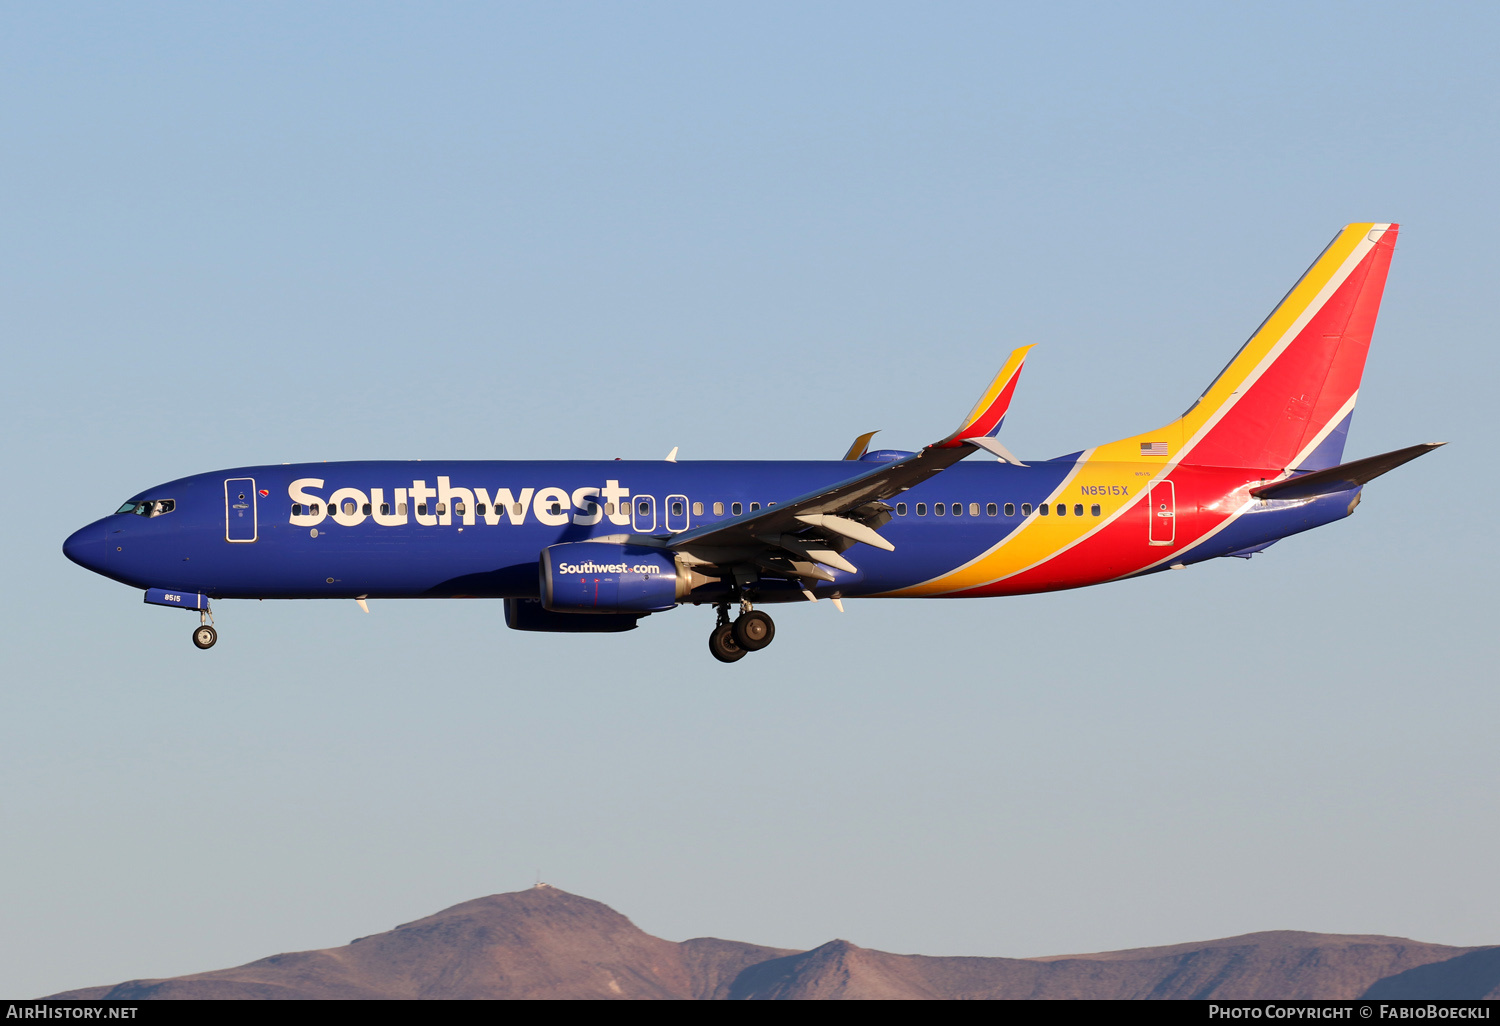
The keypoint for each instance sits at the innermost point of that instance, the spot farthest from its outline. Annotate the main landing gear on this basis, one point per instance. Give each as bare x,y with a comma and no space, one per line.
751,631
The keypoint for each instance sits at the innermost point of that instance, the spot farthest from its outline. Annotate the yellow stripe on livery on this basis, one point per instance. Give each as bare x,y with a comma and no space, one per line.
1118,474
1346,251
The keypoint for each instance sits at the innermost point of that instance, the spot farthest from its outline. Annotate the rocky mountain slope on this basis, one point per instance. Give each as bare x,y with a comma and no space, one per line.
547,943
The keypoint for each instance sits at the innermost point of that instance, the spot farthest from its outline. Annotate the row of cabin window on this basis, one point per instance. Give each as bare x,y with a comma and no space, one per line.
993,509
644,509
385,509
938,509
735,508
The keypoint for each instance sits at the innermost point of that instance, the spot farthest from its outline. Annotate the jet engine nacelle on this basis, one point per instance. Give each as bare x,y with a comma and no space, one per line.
527,614
601,577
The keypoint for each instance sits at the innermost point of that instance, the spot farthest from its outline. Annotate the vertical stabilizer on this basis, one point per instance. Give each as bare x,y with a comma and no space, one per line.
1285,400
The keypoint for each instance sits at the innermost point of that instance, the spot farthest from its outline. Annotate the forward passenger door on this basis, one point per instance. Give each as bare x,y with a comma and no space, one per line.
240,522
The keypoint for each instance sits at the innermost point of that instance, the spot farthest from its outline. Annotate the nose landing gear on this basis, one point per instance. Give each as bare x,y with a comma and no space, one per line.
751,631
204,634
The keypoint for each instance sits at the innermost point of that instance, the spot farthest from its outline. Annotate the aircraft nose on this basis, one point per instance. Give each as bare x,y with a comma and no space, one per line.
86,547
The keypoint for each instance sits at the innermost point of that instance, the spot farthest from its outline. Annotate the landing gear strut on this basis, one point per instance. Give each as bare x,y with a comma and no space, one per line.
204,634
751,631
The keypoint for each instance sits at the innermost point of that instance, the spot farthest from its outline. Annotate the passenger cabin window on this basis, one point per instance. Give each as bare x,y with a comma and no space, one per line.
422,509
1044,509
367,509
991,510
517,509
736,509
479,509
1062,509
974,509
754,506
609,509
400,509
349,508
1010,509
697,509
677,509
643,508
1025,509
1094,509
900,509
958,509
442,509
938,509
296,509
1078,509
385,509
921,509
718,509
458,509
555,508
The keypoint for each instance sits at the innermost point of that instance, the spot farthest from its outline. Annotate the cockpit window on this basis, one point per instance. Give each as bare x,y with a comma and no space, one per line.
149,508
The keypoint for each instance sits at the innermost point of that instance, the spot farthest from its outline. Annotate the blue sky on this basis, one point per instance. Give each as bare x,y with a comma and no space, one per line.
238,235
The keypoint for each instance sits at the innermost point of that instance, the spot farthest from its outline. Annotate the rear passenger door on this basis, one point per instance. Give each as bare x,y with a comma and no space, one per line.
1162,513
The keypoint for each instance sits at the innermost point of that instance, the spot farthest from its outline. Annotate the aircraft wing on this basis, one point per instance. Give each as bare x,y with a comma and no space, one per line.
816,527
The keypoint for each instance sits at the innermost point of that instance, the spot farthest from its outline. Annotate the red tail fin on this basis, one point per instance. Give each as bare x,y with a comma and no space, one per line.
1286,397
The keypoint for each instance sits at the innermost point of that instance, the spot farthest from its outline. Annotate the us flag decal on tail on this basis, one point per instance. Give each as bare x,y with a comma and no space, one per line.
1153,448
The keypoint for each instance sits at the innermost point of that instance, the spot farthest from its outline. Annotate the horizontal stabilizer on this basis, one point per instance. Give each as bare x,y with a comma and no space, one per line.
1342,477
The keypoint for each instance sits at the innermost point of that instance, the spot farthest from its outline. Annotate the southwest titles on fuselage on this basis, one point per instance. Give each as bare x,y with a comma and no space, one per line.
433,507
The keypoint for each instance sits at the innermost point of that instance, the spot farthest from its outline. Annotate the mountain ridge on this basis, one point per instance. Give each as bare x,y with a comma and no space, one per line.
545,943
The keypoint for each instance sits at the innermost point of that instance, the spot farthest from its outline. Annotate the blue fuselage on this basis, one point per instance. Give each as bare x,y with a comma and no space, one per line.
448,529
